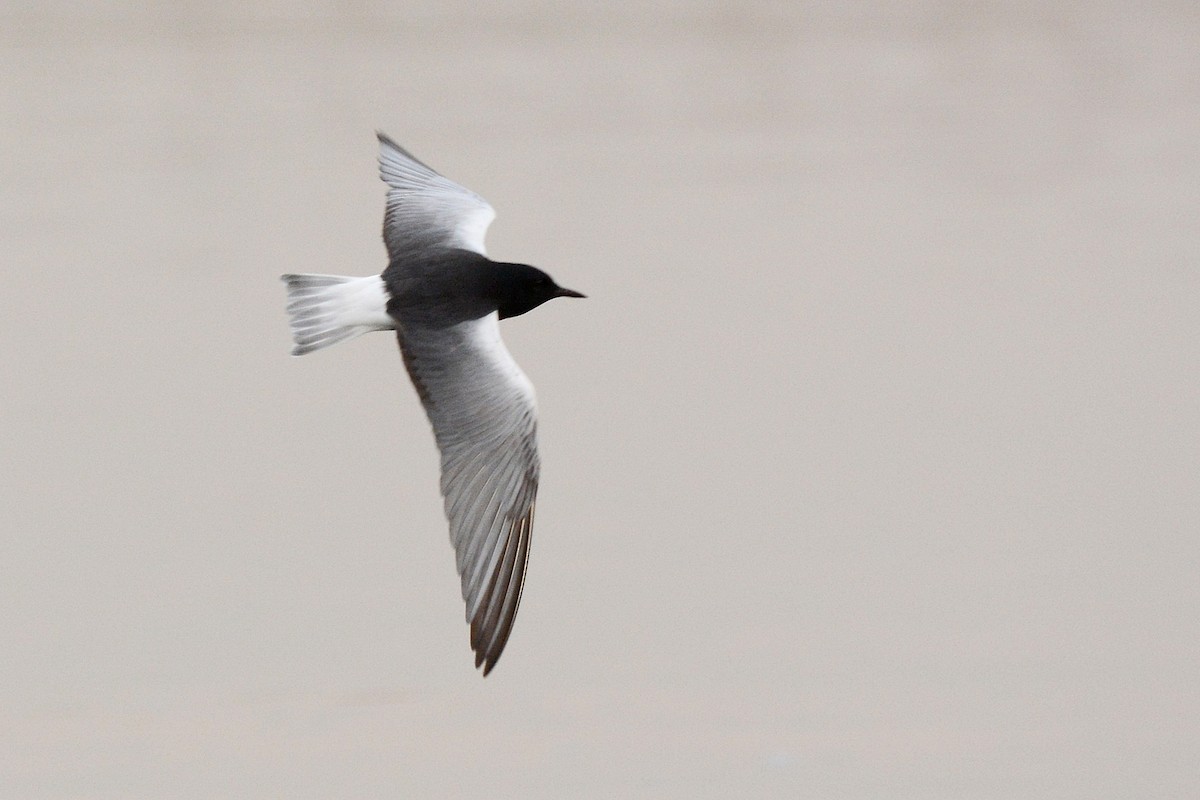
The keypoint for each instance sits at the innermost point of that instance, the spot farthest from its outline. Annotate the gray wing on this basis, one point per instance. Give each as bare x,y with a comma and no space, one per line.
484,417
426,212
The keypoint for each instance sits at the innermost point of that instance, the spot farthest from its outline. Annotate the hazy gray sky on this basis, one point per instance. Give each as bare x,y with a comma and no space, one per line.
871,464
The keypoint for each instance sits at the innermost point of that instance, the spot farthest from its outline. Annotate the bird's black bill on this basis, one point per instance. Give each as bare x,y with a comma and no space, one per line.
568,293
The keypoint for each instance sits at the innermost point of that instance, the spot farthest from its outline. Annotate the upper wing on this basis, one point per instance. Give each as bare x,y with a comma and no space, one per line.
484,416
426,211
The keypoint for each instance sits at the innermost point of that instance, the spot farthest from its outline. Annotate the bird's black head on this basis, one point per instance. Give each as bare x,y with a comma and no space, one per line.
519,288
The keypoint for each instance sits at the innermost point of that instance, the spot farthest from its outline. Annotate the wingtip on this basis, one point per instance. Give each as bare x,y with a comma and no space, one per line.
392,144
482,657
388,143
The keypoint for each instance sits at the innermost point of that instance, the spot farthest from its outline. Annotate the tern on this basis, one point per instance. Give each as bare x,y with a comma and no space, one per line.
444,298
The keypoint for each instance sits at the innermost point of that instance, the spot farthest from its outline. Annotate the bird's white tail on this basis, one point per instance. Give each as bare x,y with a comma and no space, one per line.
327,309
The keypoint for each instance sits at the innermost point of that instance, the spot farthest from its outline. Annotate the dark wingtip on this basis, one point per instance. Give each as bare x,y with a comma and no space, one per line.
493,623
388,141
483,658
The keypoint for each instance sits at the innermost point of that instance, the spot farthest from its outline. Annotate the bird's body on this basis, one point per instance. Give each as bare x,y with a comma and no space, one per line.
444,297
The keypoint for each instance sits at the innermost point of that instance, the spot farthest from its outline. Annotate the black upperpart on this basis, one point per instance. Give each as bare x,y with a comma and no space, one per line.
518,288
455,286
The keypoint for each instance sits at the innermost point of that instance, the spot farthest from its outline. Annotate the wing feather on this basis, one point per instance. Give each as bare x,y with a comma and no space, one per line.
484,417
427,212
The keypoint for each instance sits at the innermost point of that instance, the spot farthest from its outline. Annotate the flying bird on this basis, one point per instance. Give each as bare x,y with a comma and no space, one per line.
444,297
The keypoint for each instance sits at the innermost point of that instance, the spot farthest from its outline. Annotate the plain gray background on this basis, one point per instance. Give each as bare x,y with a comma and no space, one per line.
871,465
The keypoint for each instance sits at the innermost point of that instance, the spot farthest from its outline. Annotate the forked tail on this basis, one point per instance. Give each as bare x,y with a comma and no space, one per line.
327,309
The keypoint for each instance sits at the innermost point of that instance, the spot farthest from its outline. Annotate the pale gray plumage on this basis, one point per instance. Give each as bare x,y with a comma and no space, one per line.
484,419
425,211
